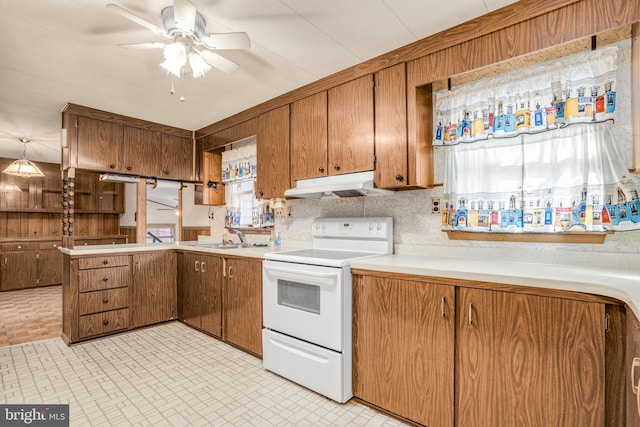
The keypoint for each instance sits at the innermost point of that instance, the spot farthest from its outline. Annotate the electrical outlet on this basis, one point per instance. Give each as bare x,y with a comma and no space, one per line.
435,205
289,212
279,213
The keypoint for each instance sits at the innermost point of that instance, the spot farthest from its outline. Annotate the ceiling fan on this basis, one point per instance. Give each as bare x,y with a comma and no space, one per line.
185,27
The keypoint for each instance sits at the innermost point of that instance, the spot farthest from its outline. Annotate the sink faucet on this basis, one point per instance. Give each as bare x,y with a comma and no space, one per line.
241,236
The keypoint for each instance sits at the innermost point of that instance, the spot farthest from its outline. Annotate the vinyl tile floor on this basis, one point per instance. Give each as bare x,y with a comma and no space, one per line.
166,375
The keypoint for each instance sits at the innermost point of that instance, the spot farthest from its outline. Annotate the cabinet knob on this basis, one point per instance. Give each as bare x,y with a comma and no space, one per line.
105,262
105,278
399,178
105,322
105,300
112,166
336,167
128,168
165,173
321,169
261,193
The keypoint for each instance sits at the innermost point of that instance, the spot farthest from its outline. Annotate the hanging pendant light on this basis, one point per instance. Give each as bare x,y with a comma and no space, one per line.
23,167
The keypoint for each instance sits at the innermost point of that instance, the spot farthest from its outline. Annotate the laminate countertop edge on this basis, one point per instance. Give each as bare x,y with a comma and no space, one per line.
621,284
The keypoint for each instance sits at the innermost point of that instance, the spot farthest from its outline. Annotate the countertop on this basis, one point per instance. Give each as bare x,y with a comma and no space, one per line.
623,285
251,252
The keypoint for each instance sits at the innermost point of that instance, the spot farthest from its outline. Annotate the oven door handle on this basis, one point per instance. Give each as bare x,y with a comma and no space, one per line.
299,351
325,280
269,269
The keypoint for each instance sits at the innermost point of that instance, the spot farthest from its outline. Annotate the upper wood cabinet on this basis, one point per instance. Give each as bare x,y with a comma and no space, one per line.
391,127
99,145
309,137
142,152
272,149
350,127
529,360
106,142
403,347
177,158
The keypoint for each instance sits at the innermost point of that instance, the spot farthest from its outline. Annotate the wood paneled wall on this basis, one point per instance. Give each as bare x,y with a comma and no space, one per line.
27,224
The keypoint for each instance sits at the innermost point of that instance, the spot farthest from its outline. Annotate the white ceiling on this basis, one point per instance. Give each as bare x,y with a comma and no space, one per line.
58,51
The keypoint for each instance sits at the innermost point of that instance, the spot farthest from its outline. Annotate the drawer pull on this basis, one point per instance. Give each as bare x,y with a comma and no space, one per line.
105,262
105,300
443,303
105,278
105,322
470,313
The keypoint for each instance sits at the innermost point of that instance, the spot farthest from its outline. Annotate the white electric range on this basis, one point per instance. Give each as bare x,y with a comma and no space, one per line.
307,303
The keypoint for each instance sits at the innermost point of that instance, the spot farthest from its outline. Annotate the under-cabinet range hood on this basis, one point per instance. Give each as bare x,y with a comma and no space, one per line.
337,186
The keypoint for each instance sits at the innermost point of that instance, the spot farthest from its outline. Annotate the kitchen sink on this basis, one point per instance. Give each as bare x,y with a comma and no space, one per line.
219,245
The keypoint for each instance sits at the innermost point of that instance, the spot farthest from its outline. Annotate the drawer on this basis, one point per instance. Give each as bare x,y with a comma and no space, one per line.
103,261
103,278
98,301
102,323
49,245
19,246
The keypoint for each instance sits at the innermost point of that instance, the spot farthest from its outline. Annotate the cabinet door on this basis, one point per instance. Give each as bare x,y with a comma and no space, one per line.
84,192
154,288
309,137
142,152
19,270
211,294
391,127
403,347
110,197
242,324
529,360
99,145
177,158
350,126
190,287
272,150
49,267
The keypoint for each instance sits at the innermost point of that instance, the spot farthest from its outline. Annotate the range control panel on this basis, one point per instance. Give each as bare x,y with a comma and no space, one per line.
353,228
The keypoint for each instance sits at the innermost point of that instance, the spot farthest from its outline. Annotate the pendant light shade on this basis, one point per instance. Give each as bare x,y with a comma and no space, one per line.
23,167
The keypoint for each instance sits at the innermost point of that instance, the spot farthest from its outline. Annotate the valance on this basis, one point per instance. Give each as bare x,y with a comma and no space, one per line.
579,88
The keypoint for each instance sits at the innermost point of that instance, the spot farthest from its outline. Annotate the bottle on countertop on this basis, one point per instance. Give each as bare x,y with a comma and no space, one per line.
277,242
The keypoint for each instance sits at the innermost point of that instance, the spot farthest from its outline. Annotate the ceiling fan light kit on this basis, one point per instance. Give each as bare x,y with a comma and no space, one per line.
185,26
23,167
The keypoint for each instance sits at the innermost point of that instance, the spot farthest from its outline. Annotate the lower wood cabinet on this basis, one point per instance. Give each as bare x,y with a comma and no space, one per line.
526,360
201,292
111,293
242,304
153,288
30,264
223,297
95,296
539,358
403,347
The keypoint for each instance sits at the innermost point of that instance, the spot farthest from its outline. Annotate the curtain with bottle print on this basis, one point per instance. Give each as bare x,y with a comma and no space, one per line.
533,150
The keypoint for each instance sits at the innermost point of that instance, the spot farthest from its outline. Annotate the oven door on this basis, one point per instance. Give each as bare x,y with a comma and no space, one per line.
304,301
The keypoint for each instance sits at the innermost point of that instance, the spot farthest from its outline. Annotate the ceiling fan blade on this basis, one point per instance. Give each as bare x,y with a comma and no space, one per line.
135,18
184,13
219,62
155,45
226,41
